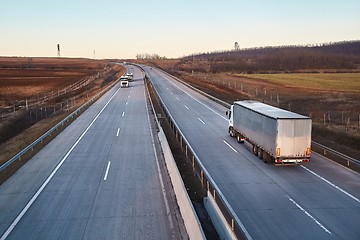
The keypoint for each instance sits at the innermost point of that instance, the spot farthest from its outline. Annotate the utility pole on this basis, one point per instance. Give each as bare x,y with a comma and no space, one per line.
237,46
58,48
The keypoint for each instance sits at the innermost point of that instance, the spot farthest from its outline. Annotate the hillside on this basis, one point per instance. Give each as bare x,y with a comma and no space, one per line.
340,56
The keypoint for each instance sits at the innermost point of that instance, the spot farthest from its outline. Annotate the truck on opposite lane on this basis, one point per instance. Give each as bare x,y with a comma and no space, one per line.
276,135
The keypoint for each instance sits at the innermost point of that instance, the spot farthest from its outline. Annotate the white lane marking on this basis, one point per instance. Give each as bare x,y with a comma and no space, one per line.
36,195
126,103
159,171
187,107
308,214
177,99
172,93
230,146
194,97
118,131
107,171
201,120
123,114
331,184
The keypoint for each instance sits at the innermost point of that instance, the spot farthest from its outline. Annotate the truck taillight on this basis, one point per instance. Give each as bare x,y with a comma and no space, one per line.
308,151
278,160
278,152
305,160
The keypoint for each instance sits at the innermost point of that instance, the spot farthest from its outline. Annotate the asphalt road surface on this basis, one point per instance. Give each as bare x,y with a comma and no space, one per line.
101,178
316,200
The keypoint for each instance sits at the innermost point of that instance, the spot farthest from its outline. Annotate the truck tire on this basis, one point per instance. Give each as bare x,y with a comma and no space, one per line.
255,150
232,132
260,153
238,138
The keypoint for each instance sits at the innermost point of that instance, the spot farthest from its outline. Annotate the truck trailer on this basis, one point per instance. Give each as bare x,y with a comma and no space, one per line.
276,135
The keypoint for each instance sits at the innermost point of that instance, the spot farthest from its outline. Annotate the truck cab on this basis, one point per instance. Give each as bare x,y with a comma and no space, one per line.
231,130
124,83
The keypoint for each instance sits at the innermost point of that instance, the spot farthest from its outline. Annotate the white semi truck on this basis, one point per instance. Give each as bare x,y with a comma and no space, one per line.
276,135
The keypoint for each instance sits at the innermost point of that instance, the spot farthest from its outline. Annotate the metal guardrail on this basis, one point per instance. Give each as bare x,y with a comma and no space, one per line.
336,156
206,180
53,129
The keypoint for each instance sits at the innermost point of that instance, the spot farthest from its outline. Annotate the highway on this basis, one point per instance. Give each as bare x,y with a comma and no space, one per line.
317,200
103,177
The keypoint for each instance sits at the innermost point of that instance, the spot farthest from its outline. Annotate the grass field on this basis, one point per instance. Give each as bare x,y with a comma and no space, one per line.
337,82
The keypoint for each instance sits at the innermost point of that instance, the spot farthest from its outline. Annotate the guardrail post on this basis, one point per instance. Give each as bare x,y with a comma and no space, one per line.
232,224
193,161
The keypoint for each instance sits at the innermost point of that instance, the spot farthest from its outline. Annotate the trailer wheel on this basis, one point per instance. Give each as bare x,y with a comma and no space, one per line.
266,157
232,132
255,150
238,138
260,153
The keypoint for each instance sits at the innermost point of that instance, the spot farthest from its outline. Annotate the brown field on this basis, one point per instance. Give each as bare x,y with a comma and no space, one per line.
52,88
331,100
22,78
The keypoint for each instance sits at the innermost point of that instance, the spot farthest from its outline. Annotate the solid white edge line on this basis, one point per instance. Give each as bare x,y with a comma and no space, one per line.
32,200
308,214
201,120
331,184
230,146
107,170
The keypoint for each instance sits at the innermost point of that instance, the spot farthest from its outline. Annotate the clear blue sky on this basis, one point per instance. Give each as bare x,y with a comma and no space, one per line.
121,29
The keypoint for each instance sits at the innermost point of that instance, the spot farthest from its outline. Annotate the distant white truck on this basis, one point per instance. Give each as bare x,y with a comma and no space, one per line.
130,76
276,135
124,81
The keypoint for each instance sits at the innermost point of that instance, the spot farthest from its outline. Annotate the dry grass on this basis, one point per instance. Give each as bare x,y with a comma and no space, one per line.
22,78
337,82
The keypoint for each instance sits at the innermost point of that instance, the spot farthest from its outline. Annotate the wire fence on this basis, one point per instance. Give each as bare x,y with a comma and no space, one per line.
43,101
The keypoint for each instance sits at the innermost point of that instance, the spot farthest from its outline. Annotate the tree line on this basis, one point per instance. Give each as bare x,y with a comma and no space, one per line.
340,55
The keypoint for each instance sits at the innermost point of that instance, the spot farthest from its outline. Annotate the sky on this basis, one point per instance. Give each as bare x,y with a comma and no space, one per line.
170,28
